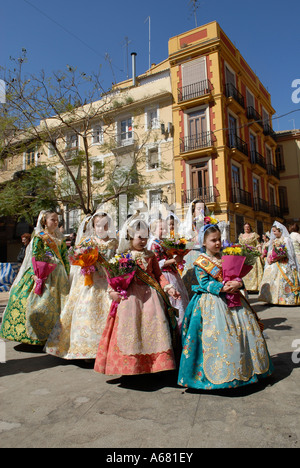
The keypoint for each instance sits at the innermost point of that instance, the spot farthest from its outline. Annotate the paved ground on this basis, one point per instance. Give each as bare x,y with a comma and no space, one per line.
48,402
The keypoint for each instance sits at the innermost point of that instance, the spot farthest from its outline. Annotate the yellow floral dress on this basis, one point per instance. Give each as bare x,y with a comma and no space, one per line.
253,280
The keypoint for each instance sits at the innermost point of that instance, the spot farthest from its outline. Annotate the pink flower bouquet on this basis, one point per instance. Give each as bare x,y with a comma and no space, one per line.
279,253
237,261
42,269
120,273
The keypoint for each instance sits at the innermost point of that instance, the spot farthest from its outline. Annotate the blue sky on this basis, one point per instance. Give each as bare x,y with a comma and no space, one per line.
81,33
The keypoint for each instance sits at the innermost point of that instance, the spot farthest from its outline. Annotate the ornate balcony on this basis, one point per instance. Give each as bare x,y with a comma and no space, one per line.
260,205
195,90
235,142
197,142
257,158
252,114
273,171
241,196
232,92
205,194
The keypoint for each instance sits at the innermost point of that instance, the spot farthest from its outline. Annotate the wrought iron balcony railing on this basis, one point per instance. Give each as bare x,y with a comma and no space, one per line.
239,195
205,194
236,142
254,115
257,158
232,91
194,142
260,205
194,90
272,170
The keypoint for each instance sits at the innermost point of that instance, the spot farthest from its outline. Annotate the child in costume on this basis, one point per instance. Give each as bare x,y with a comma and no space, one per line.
168,266
30,317
222,347
77,333
138,338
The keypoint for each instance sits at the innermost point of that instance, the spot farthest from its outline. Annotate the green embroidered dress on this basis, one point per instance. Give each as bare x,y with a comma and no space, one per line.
28,317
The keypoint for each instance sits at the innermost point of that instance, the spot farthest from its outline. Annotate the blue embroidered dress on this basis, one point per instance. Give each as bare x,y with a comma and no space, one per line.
222,347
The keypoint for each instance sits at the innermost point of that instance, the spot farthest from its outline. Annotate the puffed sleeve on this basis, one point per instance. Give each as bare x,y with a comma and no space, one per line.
207,283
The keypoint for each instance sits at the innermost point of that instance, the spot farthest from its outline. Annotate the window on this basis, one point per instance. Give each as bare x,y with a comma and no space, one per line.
280,158
97,135
98,171
71,145
269,157
250,99
153,158
30,157
236,177
155,198
126,129
256,188
51,150
193,71
253,146
152,118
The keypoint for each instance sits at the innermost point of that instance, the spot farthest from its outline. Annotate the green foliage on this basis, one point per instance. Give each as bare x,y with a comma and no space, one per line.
27,194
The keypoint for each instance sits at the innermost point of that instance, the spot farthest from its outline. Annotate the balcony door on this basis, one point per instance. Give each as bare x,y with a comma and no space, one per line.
197,128
232,131
256,188
200,181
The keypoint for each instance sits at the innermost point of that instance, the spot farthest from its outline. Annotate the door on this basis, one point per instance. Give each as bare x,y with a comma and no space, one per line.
232,132
200,181
236,183
197,129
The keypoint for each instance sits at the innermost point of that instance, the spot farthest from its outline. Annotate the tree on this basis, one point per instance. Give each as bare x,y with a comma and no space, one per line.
53,114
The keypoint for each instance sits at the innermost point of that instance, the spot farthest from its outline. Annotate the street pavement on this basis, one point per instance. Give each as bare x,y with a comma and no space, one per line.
46,402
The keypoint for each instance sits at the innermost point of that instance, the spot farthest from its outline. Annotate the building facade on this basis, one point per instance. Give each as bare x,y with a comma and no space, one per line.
224,145
288,162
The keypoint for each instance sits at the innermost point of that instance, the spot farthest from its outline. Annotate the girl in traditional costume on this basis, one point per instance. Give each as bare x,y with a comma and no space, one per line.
77,333
168,265
35,303
222,347
295,237
280,282
252,281
138,338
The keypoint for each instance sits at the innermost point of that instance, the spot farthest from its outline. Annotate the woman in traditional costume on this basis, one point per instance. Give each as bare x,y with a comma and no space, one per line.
252,281
280,282
295,236
77,333
168,265
222,347
30,316
139,337
190,227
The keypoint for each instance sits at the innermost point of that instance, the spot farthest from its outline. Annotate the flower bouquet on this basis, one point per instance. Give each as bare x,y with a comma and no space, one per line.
120,272
237,262
43,265
176,246
210,220
85,255
279,252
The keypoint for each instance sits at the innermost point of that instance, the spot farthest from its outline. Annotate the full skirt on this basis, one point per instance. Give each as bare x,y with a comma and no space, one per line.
222,347
137,340
78,330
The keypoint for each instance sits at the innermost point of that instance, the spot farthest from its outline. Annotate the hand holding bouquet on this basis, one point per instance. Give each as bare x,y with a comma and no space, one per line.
176,246
120,272
43,265
279,252
237,262
85,255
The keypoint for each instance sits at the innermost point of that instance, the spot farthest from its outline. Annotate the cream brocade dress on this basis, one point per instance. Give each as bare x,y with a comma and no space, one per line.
77,333
277,286
253,280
